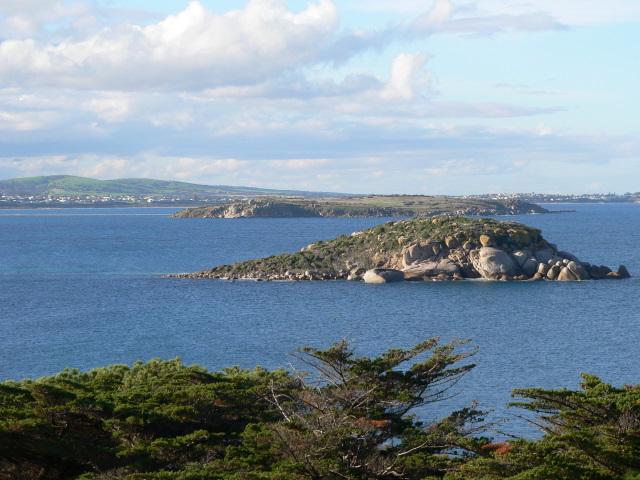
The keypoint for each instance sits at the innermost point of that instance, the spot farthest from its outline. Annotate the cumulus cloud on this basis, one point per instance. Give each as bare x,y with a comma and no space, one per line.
195,48
261,95
198,48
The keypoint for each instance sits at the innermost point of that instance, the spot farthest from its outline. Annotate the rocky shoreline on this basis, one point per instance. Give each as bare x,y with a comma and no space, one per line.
435,249
361,207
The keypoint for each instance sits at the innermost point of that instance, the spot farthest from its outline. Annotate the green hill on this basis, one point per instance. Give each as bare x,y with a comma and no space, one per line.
63,185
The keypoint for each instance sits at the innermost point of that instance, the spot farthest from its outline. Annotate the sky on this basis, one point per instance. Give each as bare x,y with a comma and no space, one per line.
362,96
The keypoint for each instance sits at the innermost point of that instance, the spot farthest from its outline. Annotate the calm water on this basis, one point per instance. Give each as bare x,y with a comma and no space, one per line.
82,288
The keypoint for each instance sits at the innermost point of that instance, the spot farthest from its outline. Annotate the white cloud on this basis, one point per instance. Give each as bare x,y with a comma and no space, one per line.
568,12
200,49
30,18
474,159
440,12
110,107
147,165
258,96
19,121
299,164
195,48
407,76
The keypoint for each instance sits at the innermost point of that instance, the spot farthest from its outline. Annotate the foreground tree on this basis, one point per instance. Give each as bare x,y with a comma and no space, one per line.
145,418
590,434
353,417
350,417
340,417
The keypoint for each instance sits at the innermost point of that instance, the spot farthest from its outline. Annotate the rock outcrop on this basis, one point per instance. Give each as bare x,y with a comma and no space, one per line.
493,263
434,249
383,275
251,209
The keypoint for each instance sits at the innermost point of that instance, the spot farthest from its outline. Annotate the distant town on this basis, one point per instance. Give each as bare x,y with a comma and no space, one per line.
61,201
564,198
57,191
70,201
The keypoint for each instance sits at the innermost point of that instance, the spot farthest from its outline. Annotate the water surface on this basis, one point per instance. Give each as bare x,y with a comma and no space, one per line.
83,288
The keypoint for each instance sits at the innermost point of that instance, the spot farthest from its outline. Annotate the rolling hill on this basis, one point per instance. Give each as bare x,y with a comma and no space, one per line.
67,185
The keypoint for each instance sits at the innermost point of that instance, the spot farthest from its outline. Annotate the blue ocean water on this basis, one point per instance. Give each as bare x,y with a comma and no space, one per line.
83,288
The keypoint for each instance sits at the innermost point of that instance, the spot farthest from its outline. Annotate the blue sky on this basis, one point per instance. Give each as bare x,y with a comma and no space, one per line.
409,96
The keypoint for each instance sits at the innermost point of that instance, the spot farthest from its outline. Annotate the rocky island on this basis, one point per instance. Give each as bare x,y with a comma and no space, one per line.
432,249
365,206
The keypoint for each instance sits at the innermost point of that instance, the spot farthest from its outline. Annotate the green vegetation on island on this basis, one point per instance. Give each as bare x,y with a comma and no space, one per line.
336,416
438,248
362,206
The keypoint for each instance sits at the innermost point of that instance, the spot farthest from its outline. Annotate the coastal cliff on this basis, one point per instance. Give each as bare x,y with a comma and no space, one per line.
372,206
433,249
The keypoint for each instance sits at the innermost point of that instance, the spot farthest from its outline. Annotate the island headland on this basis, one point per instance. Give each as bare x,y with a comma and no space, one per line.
363,206
432,249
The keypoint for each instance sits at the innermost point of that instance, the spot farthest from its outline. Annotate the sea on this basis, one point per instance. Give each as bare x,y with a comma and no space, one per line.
84,288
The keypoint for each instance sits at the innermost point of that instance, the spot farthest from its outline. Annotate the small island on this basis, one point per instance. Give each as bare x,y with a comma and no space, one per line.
443,248
362,206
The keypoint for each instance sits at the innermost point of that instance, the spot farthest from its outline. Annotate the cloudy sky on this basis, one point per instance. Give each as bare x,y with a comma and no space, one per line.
386,96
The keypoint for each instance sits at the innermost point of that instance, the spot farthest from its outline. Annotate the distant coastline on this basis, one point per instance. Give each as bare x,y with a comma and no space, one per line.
66,191
362,206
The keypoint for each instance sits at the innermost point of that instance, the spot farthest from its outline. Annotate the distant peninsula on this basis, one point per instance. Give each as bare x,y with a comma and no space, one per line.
431,249
71,191
362,206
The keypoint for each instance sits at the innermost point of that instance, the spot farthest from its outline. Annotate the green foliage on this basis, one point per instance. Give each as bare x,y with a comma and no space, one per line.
344,417
590,434
350,417
145,418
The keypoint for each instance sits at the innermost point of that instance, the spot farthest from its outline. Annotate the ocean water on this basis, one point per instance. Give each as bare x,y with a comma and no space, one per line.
84,288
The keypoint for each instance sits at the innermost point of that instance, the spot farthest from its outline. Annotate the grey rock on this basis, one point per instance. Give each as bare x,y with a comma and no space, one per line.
599,272
623,272
530,267
383,275
578,270
543,269
468,246
492,263
521,257
419,252
553,272
451,242
356,274
566,275
419,271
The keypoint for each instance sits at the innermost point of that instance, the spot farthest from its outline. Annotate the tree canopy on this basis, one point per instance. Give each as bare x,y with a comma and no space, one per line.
336,416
